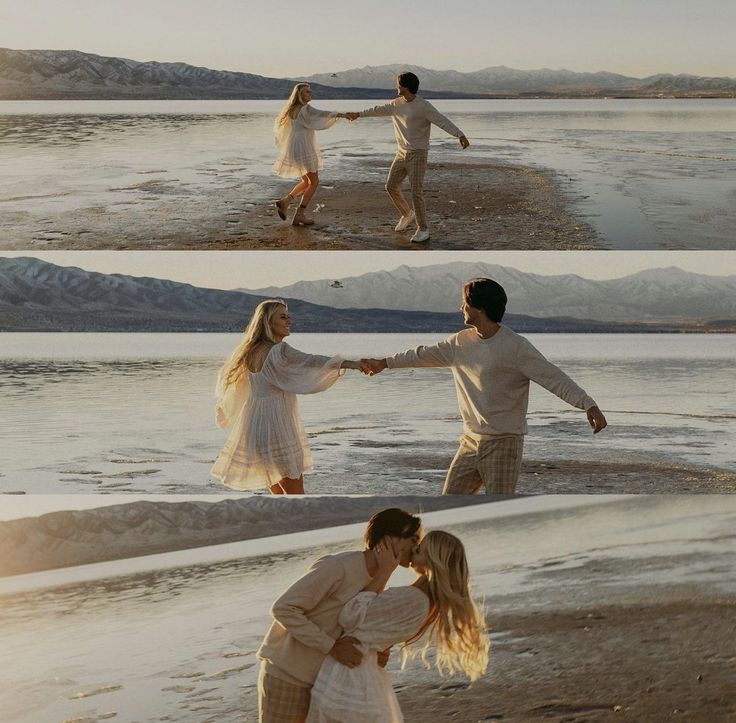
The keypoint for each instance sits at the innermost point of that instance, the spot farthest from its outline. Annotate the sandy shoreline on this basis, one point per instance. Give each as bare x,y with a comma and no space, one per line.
478,205
475,204
661,661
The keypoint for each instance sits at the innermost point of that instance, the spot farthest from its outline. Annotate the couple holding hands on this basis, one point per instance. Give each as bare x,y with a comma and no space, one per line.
323,658
492,367
300,157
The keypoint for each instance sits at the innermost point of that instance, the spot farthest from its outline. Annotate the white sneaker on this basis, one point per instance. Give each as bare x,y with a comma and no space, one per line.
420,236
404,221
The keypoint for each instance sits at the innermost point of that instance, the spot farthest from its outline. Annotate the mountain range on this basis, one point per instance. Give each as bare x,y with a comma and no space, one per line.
72,74
503,81
662,295
39,296
144,527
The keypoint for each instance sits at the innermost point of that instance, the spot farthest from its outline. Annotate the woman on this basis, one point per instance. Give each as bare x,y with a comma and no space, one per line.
300,156
256,390
438,604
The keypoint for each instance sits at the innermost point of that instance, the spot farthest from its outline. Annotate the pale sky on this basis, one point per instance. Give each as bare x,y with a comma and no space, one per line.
257,269
287,38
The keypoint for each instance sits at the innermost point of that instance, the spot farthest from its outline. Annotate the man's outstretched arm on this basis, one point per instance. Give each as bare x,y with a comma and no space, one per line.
533,364
436,355
447,125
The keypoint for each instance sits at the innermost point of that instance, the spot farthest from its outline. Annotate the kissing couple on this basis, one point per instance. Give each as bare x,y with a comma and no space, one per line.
323,659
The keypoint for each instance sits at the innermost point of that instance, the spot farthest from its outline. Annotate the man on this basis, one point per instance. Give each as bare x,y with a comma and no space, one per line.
412,117
305,627
492,367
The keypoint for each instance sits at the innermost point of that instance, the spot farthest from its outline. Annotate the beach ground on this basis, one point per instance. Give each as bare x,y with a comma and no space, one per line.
475,204
650,662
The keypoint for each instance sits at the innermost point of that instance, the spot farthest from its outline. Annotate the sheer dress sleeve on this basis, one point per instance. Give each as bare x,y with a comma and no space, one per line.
281,132
295,371
230,401
314,119
387,618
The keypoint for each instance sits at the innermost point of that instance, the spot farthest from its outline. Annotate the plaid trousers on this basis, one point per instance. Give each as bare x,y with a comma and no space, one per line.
495,463
414,165
281,702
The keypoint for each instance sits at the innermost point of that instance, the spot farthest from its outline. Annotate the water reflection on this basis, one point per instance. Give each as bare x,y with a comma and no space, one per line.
69,131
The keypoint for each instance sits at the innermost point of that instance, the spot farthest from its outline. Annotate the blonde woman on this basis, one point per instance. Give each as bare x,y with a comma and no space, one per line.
300,157
437,607
256,399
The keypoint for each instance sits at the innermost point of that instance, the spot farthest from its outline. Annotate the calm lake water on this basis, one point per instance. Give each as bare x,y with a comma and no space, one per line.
87,413
647,173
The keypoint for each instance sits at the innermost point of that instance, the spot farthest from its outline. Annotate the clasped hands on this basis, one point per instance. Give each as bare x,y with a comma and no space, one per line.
350,115
370,367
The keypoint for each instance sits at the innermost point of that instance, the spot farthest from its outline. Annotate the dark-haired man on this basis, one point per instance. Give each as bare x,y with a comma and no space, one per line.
492,367
412,117
306,628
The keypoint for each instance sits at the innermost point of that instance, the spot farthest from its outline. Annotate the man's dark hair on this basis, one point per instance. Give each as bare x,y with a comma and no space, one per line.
408,81
394,522
488,295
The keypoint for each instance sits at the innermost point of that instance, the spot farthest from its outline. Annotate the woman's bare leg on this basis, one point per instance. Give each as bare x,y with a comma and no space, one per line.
300,187
288,486
313,181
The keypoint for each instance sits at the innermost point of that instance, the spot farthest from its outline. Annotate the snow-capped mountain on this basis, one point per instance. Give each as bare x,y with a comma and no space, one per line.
656,294
500,80
48,74
59,74
39,296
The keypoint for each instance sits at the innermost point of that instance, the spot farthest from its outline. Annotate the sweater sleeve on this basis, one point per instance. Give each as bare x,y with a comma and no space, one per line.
434,116
388,109
533,364
385,619
437,355
291,607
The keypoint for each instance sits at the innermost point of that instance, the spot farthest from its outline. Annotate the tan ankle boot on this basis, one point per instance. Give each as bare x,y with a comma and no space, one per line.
282,206
301,218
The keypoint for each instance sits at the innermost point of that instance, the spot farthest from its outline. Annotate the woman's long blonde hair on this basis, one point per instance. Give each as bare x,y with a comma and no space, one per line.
456,625
293,105
257,333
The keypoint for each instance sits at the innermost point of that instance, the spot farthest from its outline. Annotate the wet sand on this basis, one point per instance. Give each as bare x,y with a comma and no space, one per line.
658,661
476,204
635,474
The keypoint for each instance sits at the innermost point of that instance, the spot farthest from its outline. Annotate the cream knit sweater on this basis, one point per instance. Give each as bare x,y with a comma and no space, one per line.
492,378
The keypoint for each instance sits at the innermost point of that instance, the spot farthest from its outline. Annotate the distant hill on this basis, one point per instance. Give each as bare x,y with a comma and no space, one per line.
145,527
72,74
509,82
659,295
39,296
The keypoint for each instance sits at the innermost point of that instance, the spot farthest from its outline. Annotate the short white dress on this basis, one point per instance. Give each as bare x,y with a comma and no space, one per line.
296,141
364,694
267,441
